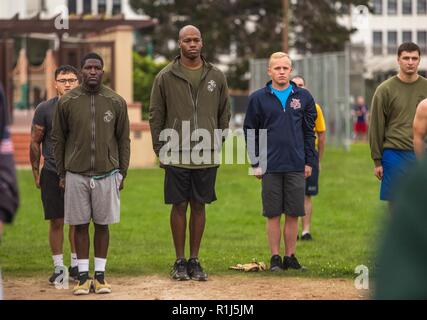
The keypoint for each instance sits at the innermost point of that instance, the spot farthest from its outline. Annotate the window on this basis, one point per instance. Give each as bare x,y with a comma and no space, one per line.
378,7
102,6
87,6
378,43
392,7
422,6
407,36
391,42
72,6
117,7
406,7
422,41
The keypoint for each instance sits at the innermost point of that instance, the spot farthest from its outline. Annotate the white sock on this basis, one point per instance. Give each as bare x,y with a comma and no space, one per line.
83,265
305,232
58,260
73,260
100,264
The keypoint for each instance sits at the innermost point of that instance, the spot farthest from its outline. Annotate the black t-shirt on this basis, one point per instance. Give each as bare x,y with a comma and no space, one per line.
43,117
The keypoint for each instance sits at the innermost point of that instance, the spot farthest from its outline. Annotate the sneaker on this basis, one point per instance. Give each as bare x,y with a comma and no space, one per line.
99,283
307,236
276,263
195,270
85,284
179,271
73,272
292,263
56,278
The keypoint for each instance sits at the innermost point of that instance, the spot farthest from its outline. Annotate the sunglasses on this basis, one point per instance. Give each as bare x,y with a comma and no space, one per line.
70,81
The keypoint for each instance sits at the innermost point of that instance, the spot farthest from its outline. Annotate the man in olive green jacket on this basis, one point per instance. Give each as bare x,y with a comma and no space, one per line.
92,149
189,102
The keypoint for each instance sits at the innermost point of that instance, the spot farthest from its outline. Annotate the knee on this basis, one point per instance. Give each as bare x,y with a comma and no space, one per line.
101,227
197,207
180,208
82,228
57,224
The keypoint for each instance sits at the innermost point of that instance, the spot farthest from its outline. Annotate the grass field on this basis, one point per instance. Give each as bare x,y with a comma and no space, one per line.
346,221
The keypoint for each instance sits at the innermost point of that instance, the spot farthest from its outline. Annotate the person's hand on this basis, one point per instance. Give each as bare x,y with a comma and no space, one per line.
37,181
161,165
122,185
62,183
258,173
379,172
307,171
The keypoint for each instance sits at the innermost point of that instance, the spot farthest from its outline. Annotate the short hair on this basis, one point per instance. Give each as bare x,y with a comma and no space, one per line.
279,55
408,47
91,55
66,68
298,76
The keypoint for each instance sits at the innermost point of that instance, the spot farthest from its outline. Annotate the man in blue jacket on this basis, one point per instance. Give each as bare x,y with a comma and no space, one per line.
285,114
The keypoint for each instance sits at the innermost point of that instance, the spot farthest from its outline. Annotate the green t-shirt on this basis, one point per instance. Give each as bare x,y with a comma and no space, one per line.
194,76
392,115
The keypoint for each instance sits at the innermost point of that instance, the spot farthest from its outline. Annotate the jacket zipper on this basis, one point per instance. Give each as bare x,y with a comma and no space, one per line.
92,145
194,106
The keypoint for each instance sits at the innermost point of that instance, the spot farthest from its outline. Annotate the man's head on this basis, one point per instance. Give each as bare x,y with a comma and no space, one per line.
280,68
190,42
92,68
66,79
408,58
299,81
360,100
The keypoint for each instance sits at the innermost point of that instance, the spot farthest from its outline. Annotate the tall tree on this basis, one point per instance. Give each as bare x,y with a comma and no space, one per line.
247,29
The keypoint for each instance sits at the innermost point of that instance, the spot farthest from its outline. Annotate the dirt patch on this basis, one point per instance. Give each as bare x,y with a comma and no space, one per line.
217,288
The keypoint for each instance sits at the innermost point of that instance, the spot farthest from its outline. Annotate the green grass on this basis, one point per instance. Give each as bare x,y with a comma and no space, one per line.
346,220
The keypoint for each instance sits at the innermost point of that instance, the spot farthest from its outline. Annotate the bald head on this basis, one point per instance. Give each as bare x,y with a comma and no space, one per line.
188,29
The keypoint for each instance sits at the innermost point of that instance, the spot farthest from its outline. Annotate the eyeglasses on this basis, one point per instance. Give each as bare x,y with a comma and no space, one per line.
64,81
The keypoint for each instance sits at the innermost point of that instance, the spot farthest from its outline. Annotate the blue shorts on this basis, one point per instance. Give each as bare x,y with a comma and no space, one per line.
395,165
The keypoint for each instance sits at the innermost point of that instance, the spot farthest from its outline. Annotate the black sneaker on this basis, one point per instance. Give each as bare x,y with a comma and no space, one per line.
179,271
292,263
56,278
195,270
73,272
276,263
307,236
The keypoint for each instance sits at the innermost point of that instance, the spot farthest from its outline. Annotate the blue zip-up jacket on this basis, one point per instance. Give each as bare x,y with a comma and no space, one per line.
290,131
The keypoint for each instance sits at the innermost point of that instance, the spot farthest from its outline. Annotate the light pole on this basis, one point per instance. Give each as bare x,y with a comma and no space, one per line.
285,34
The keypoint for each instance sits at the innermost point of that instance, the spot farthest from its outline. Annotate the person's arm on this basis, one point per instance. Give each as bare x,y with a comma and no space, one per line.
377,131
157,114
251,128
321,136
224,113
310,115
59,134
123,140
420,129
37,134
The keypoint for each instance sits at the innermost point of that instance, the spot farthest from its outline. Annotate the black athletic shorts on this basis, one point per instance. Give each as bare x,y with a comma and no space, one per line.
52,195
183,185
283,193
312,182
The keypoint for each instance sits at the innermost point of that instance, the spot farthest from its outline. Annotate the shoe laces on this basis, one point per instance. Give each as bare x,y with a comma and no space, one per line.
181,265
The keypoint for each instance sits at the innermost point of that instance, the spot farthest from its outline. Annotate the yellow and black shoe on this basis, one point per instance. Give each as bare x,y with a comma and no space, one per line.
99,283
84,285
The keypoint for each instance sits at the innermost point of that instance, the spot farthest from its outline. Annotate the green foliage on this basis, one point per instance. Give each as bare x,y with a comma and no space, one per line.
145,70
347,216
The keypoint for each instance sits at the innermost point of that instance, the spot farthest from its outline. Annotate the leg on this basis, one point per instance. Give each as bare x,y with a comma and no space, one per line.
290,235
178,222
306,220
82,241
101,241
71,238
274,234
197,226
56,235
